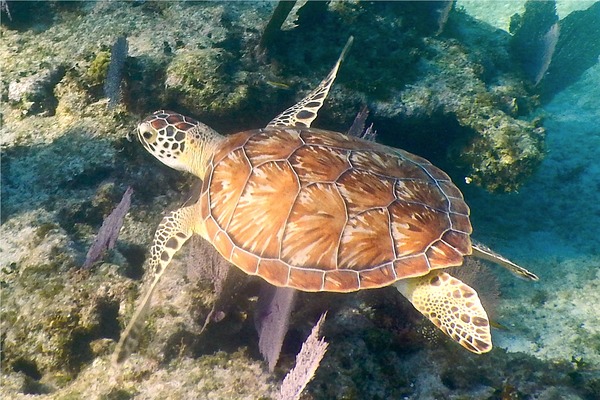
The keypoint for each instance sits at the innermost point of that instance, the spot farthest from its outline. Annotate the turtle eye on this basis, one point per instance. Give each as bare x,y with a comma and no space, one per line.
146,133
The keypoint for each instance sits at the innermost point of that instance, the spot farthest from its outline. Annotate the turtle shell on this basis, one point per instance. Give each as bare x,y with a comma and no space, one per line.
320,211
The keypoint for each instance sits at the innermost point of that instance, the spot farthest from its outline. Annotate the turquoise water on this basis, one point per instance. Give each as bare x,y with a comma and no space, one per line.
551,226
66,163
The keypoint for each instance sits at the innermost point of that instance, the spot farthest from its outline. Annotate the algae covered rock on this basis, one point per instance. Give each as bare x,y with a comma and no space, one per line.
577,49
206,81
454,98
554,53
53,323
33,94
497,148
505,151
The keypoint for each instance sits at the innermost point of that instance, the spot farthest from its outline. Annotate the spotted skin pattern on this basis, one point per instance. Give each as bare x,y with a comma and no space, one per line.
168,141
305,111
317,210
453,307
174,230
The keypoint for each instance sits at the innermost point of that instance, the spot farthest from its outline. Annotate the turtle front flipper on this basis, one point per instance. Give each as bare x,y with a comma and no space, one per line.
452,306
174,230
304,112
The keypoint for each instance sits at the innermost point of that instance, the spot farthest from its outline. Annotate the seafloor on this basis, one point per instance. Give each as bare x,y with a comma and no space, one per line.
66,163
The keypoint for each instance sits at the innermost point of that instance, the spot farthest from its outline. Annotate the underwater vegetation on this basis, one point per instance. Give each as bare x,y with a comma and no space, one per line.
452,91
114,75
109,231
547,47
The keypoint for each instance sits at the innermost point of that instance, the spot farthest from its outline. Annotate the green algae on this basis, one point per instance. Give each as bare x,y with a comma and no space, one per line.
92,162
57,341
499,149
98,69
204,80
45,228
118,394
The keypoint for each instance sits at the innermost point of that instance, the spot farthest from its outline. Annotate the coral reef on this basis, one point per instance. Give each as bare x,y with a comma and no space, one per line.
406,79
33,94
75,318
574,43
454,98
534,37
497,148
546,47
203,80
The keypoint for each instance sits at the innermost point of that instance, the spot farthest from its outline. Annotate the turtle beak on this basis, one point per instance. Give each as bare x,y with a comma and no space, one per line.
147,136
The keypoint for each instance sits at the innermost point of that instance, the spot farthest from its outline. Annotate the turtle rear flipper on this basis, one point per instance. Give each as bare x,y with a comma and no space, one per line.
452,306
481,251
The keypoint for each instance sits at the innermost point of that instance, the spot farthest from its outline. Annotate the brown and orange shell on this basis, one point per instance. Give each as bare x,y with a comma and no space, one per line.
320,211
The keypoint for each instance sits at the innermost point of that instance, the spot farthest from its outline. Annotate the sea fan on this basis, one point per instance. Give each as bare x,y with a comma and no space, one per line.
112,85
535,35
307,362
549,45
272,320
109,231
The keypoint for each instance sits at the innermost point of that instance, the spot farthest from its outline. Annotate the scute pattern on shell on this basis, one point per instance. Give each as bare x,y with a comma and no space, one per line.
317,210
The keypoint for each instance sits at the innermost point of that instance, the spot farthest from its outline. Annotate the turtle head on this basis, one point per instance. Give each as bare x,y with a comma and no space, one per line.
178,141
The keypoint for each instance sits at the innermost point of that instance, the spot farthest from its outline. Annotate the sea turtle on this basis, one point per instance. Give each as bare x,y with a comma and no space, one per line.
317,210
